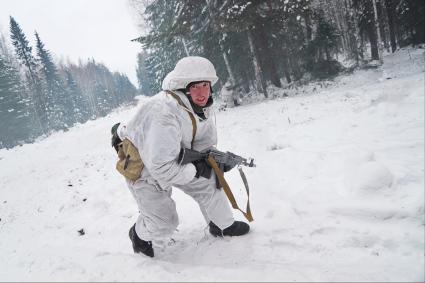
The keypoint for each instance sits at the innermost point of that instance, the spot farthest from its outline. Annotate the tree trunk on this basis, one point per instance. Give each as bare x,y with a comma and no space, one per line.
378,32
371,32
362,42
295,68
287,75
267,54
328,55
390,13
355,34
185,46
308,26
229,70
274,77
382,15
340,23
245,81
260,85
286,69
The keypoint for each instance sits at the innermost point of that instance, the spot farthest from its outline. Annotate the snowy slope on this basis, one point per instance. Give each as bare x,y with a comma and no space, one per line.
337,194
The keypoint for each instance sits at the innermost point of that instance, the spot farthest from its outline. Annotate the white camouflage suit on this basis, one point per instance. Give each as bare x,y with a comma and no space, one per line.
159,130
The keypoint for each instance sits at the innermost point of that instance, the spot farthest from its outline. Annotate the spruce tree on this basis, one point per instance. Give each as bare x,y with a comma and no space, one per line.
14,115
23,50
58,104
24,54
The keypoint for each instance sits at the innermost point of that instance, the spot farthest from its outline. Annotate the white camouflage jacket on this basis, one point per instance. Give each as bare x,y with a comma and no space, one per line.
160,129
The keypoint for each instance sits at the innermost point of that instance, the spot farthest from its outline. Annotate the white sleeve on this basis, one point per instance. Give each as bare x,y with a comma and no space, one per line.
161,147
122,131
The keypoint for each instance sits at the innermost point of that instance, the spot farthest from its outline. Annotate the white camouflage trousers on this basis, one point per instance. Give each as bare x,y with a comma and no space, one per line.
158,217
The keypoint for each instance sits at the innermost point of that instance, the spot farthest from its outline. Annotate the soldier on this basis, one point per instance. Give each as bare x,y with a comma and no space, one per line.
159,130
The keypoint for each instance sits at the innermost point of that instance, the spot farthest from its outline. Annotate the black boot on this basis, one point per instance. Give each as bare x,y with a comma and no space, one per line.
139,245
238,228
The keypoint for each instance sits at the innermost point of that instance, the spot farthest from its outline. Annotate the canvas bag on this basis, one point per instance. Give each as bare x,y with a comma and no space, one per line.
129,163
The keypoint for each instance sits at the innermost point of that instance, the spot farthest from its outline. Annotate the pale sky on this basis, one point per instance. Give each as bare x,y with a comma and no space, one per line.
75,29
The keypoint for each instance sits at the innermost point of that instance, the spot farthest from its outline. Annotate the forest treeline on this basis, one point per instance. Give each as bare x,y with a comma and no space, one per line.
39,96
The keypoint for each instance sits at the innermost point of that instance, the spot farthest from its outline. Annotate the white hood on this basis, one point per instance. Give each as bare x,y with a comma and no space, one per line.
187,70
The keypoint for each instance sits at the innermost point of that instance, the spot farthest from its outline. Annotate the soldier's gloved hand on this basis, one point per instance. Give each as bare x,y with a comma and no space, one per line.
115,140
203,169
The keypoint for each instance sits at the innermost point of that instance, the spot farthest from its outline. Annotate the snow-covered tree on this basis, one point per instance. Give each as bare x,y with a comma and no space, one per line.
24,54
15,116
58,104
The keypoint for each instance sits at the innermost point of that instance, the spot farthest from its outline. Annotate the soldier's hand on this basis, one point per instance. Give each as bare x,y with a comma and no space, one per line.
203,169
115,140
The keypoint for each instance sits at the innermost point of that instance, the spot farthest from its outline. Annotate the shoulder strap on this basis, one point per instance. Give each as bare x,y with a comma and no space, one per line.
227,190
192,118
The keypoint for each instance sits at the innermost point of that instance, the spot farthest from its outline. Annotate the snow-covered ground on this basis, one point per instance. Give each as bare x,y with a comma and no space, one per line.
337,194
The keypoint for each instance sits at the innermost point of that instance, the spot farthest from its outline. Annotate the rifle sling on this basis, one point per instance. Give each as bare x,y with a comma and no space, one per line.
227,190
192,118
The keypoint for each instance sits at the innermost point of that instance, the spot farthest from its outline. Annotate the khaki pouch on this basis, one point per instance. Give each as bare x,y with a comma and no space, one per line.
129,164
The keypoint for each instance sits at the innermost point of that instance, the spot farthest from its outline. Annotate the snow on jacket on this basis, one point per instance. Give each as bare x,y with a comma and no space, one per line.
160,129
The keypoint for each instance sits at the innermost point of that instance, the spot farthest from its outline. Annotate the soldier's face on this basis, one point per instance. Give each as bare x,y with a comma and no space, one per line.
200,92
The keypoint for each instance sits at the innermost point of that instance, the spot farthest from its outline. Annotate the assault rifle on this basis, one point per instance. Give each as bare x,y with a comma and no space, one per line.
221,162
226,160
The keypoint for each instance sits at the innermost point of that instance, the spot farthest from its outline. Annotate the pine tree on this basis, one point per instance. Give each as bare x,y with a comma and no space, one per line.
14,115
24,54
58,103
23,50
